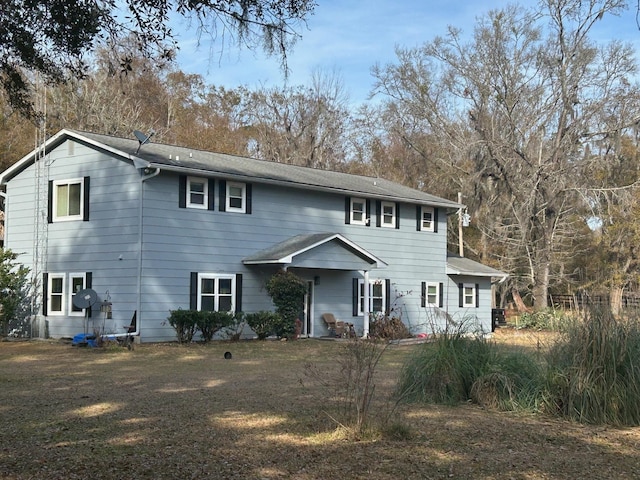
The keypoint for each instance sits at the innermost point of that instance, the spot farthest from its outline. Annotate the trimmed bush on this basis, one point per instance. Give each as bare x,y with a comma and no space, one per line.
184,322
209,323
264,323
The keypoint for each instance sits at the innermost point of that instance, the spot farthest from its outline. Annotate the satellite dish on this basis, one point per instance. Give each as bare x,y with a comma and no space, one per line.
85,298
143,138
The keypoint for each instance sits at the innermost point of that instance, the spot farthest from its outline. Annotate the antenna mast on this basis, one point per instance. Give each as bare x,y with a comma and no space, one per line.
41,180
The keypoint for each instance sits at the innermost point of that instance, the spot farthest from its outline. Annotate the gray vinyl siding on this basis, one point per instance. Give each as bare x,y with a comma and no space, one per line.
78,246
164,243
178,241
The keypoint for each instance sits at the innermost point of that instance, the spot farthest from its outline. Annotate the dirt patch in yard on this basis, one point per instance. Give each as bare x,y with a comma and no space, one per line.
169,411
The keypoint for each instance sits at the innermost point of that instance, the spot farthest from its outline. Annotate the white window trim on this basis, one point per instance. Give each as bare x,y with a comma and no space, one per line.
372,282
471,304
426,294
228,206
364,220
216,277
205,192
67,218
71,293
393,216
62,294
433,222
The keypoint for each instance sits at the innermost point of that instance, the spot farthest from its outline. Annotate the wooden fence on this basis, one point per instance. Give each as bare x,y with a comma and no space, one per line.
569,302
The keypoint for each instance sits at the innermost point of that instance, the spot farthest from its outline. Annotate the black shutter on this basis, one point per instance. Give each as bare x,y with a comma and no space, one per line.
347,210
222,186
248,191
211,192
355,296
418,218
45,290
193,291
423,300
182,191
88,283
87,185
387,296
368,212
441,295
477,295
238,292
461,295
435,220
397,215
378,213
50,202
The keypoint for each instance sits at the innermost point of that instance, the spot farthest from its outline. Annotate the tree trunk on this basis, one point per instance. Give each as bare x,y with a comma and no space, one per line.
615,298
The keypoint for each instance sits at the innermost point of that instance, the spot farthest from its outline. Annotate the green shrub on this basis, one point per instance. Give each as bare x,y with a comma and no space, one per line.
209,323
184,322
594,371
548,319
264,323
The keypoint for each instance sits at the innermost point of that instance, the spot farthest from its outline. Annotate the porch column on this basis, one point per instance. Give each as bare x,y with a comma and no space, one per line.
365,307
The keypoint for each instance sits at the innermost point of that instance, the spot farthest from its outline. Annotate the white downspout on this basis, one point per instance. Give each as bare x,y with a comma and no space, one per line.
144,178
365,307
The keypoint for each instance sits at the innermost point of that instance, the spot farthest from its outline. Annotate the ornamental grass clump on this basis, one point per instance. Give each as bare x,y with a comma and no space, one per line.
594,371
458,367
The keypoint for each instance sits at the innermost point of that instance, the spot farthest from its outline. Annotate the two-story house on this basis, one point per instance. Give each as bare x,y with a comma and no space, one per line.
153,228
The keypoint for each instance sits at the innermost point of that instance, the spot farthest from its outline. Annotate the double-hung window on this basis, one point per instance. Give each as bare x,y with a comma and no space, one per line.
358,211
388,214
236,197
56,294
469,295
67,197
197,192
216,292
427,219
77,282
432,294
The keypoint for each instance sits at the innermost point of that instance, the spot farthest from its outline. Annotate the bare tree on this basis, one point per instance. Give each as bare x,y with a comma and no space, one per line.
517,108
300,125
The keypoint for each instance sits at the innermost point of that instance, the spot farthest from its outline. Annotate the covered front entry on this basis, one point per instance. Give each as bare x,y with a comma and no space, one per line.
314,257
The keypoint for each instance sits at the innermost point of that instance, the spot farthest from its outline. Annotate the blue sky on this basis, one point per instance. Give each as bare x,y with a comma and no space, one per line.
350,36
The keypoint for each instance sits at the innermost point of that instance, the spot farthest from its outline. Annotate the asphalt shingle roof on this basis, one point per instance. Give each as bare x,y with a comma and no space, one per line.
170,157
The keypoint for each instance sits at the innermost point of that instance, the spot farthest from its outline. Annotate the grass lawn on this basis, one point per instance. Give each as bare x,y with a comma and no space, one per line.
175,412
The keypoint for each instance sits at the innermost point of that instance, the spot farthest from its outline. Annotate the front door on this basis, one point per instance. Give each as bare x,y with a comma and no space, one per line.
307,323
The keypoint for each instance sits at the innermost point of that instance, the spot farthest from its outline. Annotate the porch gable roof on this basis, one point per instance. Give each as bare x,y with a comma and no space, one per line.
293,250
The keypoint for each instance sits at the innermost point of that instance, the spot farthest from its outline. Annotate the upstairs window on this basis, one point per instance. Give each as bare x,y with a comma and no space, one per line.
427,219
68,200
236,197
388,214
358,211
197,192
